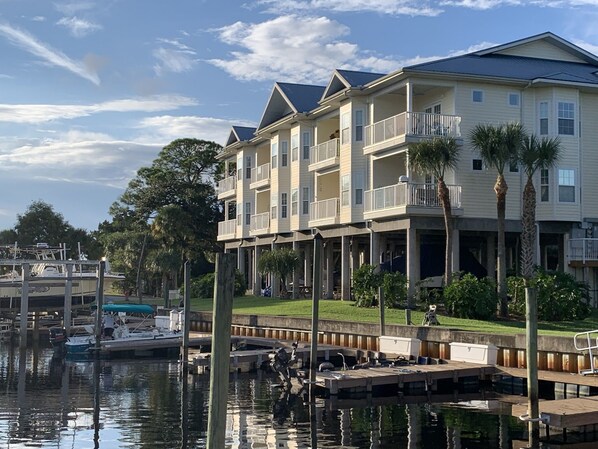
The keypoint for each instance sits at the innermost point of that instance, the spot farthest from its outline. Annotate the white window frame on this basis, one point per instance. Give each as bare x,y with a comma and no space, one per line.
274,207
248,167
346,190
294,147
306,144
358,184
474,93
284,153
345,128
514,96
359,124
248,213
274,153
240,168
305,199
543,118
295,202
565,116
544,185
284,205
566,179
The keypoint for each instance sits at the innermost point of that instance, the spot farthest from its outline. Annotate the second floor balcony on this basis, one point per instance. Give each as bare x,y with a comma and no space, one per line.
260,176
227,229
260,223
583,252
324,155
325,212
403,198
397,129
226,188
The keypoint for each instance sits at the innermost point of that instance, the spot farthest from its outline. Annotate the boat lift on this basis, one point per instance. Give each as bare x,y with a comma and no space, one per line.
587,341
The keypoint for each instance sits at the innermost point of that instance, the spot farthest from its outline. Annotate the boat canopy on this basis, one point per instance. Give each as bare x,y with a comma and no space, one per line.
128,308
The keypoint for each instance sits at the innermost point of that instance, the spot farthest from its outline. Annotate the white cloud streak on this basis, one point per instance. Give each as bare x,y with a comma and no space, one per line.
46,53
78,27
173,56
392,7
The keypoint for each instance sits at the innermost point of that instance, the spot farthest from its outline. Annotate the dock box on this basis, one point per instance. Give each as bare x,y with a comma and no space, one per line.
162,321
404,346
474,353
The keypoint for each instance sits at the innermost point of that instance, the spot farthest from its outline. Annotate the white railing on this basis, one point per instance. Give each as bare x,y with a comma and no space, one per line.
227,227
583,249
324,209
260,173
324,151
408,194
226,185
414,124
260,221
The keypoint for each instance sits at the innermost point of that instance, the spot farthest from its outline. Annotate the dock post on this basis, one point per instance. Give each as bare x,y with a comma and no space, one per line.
99,306
316,291
381,303
186,315
220,358
531,318
25,270
68,299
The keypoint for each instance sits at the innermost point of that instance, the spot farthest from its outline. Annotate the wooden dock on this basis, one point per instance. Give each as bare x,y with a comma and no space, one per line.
565,413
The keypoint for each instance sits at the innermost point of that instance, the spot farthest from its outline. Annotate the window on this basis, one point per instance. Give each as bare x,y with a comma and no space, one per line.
305,201
294,202
248,167
477,165
274,155
358,185
358,125
306,144
247,214
345,128
566,118
543,115
283,205
567,186
274,208
240,168
345,190
544,185
477,96
284,153
294,147
513,167
514,99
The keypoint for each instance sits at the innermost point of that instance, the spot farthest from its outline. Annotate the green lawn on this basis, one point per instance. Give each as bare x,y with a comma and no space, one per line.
346,311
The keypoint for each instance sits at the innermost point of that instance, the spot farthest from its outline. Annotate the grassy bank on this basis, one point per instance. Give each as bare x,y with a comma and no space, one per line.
346,311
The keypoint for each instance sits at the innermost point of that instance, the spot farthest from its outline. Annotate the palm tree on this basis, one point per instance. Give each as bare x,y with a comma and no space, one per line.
280,262
498,147
535,154
435,157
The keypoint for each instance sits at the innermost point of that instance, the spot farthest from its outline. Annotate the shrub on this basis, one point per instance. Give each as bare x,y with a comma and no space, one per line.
560,296
203,287
395,289
365,286
470,297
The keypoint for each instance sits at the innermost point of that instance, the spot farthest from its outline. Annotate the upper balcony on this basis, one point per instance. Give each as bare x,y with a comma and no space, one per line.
409,127
227,229
324,155
226,188
260,224
324,213
260,176
405,198
583,252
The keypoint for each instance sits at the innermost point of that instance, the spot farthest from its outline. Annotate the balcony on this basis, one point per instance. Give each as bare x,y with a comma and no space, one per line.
583,252
404,198
409,127
260,224
226,188
324,155
227,229
326,212
260,176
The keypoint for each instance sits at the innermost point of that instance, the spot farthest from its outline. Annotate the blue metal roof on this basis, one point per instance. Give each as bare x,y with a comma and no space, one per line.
304,97
514,67
357,79
244,132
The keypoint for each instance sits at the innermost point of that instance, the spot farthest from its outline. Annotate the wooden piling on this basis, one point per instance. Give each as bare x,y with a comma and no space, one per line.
24,304
68,299
186,313
99,306
317,287
531,334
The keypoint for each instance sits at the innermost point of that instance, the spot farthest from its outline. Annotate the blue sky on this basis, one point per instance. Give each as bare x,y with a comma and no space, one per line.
91,90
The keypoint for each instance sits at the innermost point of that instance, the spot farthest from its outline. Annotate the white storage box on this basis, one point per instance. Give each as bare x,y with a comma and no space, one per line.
408,347
474,353
177,318
162,321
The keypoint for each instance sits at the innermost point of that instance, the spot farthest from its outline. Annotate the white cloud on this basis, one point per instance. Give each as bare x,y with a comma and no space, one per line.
592,48
78,27
72,7
41,113
45,52
173,56
481,4
392,7
38,19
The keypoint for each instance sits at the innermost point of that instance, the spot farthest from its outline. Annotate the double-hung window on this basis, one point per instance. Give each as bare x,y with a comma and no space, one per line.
566,118
283,205
284,153
306,144
544,185
305,201
567,186
248,167
294,147
294,202
543,116
274,208
346,190
274,155
346,128
358,125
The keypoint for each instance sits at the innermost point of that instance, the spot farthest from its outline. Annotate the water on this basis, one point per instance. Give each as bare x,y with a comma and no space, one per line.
47,402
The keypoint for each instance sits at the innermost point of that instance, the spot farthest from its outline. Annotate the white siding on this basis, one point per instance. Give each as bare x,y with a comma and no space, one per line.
541,49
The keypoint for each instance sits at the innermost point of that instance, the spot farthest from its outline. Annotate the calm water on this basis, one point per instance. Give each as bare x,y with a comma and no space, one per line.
47,402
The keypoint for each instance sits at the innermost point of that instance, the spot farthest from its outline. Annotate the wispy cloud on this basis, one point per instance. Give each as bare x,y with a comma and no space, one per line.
72,7
173,56
78,27
41,113
392,7
46,53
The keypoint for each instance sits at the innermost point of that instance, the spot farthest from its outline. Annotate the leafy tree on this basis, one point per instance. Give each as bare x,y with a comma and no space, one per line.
165,263
470,297
535,154
366,281
395,287
498,147
435,157
280,262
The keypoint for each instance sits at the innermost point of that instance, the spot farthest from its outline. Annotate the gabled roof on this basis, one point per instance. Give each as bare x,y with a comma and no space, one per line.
240,134
518,62
345,79
287,99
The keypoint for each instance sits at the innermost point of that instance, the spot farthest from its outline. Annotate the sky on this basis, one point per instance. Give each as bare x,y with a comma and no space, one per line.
92,90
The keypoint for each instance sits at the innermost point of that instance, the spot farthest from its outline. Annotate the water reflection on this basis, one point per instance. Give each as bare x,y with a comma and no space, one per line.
50,403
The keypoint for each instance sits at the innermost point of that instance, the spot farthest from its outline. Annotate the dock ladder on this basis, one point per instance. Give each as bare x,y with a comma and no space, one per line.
587,341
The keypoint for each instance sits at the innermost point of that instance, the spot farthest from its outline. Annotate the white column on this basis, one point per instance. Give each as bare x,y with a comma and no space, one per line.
257,278
296,273
412,260
374,248
274,280
455,257
345,268
307,271
329,269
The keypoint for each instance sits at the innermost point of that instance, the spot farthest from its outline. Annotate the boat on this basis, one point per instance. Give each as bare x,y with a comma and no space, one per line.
48,275
6,330
133,332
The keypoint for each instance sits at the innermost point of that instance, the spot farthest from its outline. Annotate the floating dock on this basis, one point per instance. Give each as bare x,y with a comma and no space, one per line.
565,413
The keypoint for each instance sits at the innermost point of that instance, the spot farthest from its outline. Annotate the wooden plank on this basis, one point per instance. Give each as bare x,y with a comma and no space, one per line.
551,376
565,413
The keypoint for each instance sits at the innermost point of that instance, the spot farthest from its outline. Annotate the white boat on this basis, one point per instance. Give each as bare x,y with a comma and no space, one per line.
127,336
48,273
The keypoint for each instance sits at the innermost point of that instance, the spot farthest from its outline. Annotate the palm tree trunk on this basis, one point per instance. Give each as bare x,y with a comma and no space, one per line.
501,189
445,201
528,230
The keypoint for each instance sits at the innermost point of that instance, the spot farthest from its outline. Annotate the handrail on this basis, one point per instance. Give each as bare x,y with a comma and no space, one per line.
589,347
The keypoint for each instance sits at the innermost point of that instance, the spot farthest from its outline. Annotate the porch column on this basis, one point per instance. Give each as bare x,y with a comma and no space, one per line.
374,248
249,268
329,269
296,273
257,278
241,260
382,248
345,265
563,249
455,257
307,260
491,256
412,261
355,256
274,280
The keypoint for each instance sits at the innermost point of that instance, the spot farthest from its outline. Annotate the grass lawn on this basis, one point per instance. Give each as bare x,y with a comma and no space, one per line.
346,311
